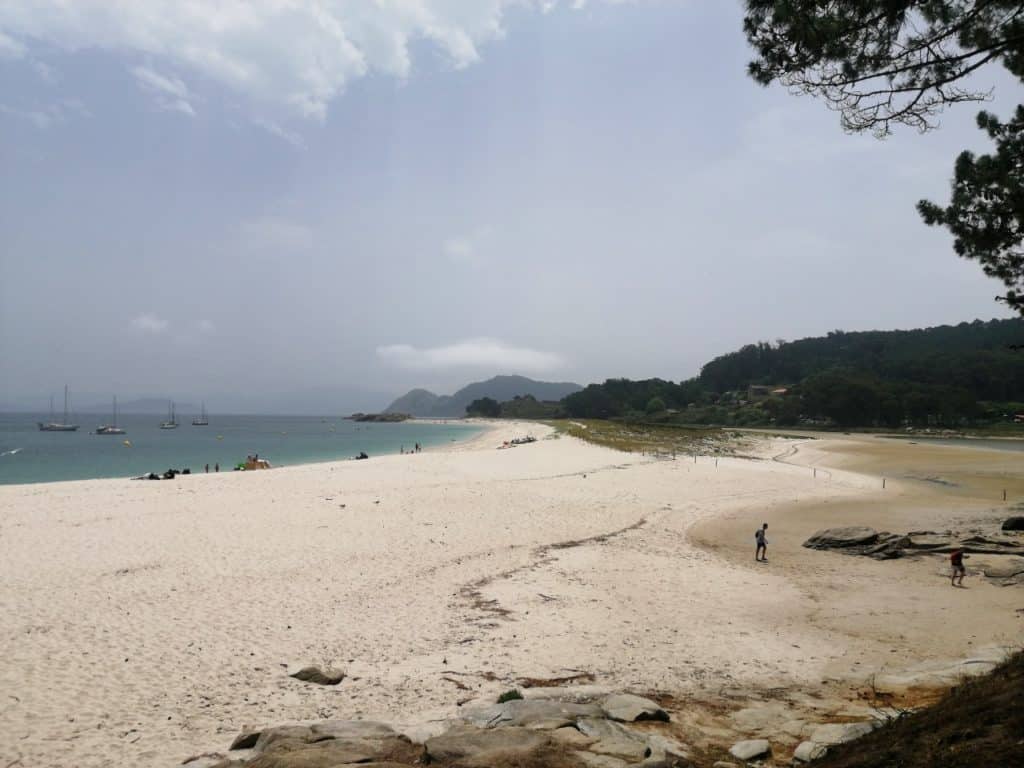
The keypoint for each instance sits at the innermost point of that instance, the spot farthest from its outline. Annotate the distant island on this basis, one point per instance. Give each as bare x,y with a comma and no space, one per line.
387,418
421,402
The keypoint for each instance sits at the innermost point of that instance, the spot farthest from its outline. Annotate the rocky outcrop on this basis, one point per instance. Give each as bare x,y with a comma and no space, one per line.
524,732
841,538
536,713
1004,568
1015,523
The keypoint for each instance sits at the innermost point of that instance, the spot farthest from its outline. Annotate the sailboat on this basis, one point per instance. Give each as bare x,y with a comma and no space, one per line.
170,423
111,429
61,426
201,420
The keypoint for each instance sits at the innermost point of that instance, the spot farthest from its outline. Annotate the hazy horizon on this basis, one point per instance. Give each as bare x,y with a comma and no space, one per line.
430,194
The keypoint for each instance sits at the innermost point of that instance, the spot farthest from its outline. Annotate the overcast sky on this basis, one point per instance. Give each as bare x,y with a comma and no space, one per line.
276,198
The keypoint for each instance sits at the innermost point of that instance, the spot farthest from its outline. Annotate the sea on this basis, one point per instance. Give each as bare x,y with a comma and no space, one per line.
30,456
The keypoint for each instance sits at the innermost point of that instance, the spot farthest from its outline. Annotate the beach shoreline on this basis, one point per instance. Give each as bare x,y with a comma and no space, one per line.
172,612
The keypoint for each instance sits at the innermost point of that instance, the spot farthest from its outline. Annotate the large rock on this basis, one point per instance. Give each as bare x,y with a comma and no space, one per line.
484,744
627,708
750,749
246,739
840,538
323,754
329,743
840,733
613,739
1002,569
807,751
319,676
1015,523
538,713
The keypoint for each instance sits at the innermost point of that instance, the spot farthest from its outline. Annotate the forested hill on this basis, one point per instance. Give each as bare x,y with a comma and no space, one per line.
950,376
977,357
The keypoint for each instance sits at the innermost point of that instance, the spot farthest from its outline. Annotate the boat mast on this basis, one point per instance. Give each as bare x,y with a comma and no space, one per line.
65,404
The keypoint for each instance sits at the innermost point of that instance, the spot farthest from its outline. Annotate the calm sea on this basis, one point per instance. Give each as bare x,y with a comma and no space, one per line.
30,456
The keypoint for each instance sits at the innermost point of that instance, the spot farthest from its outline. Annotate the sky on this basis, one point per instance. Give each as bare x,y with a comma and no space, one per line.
296,205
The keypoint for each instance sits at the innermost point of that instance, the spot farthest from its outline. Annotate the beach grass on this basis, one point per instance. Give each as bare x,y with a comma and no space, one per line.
635,437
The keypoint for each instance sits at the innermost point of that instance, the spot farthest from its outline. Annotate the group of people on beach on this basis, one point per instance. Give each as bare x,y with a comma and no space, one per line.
415,449
956,557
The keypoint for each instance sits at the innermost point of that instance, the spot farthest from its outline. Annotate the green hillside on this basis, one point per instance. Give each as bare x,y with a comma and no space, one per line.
968,374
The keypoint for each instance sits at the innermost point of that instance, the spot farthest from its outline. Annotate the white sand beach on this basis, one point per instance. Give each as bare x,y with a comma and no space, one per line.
148,621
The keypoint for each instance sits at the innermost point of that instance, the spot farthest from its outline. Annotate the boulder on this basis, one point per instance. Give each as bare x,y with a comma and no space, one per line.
840,733
1002,569
484,744
750,749
627,708
537,713
1015,523
807,751
318,676
840,538
268,736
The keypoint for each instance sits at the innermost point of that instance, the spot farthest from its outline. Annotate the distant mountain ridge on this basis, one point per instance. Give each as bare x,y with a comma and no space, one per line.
423,403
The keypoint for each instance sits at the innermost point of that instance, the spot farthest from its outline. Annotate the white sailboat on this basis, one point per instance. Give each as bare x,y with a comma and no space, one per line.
201,420
111,429
170,423
58,426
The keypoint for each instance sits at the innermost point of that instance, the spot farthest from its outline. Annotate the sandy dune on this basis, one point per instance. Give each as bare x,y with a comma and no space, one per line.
147,619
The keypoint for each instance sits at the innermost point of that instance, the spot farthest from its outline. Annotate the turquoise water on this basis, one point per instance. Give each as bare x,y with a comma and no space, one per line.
30,456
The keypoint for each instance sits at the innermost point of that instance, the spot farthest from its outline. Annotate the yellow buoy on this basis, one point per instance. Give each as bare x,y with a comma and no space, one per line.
128,443
220,437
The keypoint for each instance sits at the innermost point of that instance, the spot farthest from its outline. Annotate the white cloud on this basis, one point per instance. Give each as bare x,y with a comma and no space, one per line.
206,326
49,115
471,353
171,93
275,233
296,55
149,323
468,250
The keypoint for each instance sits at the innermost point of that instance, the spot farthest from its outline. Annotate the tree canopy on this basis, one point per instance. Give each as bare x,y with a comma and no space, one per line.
880,62
886,62
986,212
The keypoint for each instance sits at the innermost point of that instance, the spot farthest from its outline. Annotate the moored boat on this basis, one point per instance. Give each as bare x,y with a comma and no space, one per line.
112,428
58,426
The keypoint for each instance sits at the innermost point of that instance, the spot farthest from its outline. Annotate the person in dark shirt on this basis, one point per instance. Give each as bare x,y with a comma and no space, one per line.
956,559
760,536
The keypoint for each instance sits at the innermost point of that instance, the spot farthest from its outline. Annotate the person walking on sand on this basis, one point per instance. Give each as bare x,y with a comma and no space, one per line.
216,467
207,468
760,536
956,559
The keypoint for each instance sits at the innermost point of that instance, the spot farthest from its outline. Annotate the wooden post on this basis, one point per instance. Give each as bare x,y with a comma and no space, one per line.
1004,494
883,482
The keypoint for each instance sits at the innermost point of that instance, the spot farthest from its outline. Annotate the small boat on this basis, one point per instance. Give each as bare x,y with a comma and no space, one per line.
58,426
111,429
201,420
170,423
